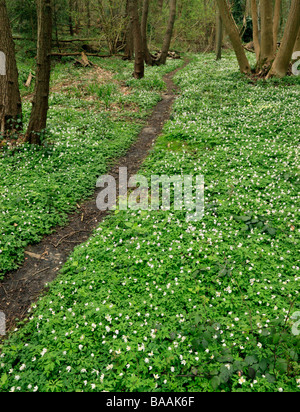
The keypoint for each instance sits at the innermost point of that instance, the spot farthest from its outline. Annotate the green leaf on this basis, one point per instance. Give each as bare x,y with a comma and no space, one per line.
276,338
3,379
282,365
250,360
251,373
215,382
271,231
270,378
245,218
263,364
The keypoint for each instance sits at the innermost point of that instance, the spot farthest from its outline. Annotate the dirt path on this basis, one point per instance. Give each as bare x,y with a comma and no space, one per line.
22,287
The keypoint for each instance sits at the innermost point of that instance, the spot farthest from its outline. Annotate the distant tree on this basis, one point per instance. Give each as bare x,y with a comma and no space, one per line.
129,47
10,100
139,66
168,36
38,118
148,57
71,26
234,36
219,36
256,41
276,23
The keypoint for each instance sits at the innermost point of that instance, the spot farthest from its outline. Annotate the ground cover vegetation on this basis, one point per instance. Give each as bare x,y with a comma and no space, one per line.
152,301
41,185
155,303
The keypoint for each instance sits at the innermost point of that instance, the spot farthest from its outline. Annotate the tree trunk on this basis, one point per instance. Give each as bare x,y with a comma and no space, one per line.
38,118
276,23
139,67
233,34
10,100
88,15
256,41
71,27
297,43
267,43
282,61
219,36
168,37
129,48
148,58
77,17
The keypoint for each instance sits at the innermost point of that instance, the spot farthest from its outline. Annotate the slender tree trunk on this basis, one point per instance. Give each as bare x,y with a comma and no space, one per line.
276,23
38,118
148,58
219,36
168,37
297,43
71,27
256,41
129,48
267,43
283,58
10,100
88,14
139,67
77,17
233,34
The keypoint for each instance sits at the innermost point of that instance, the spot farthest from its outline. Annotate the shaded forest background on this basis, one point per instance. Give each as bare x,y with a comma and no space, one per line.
101,24
145,30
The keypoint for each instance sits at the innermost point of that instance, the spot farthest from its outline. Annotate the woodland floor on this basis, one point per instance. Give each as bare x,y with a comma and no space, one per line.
20,288
140,301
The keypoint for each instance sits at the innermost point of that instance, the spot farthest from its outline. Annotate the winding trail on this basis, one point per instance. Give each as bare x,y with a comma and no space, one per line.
20,288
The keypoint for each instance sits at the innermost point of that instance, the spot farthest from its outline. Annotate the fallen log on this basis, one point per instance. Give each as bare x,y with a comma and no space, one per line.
55,40
54,54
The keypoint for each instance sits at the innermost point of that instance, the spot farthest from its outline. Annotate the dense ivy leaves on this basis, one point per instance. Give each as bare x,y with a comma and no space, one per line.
153,302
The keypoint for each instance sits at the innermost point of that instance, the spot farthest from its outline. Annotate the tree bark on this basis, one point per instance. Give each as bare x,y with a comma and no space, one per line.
233,34
10,100
283,58
168,37
38,118
297,43
129,48
148,58
256,41
276,23
88,14
71,27
219,36
139,67
267,43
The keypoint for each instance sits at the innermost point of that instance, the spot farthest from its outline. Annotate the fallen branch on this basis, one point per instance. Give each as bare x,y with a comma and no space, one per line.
29,80
249,50
69,235
33,255
79,54
84,61
36,273
55,40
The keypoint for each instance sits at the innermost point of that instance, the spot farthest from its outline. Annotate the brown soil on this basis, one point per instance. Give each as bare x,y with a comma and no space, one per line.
22,287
